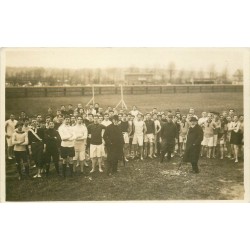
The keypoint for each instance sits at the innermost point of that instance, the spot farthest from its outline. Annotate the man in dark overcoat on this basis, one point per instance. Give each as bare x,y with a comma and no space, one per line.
193,145
114,142
169,134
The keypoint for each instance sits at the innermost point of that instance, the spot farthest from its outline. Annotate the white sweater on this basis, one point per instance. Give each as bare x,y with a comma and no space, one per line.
67,135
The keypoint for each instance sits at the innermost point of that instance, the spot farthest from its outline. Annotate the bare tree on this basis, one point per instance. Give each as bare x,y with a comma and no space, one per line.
224,74
171,70
212,71
201,74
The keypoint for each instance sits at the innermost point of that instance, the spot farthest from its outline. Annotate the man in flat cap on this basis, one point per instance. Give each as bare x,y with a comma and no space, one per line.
114,142
193,145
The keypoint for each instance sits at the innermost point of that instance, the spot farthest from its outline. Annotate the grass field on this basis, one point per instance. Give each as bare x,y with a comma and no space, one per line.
147,180
199,101
138,180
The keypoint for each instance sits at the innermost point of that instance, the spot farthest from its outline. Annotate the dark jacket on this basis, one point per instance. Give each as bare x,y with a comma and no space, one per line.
52,139
193,145
114,142
169,132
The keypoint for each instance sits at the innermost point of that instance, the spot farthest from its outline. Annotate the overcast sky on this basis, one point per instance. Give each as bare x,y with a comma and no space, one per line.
184,58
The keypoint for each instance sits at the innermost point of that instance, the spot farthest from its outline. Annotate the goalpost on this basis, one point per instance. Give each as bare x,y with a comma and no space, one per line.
92,100
121,102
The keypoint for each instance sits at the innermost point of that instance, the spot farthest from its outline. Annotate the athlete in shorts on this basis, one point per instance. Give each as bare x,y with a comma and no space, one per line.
9,130
125,128
96,143
20,141
184,126
216,132
139,133
156,134
67,135
149,136
222,136
81,135
208,139
131,133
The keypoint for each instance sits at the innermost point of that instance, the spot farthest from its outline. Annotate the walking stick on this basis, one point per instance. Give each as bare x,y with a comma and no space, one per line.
123,158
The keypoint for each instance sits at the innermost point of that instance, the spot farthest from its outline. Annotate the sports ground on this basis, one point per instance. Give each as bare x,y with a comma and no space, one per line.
138,180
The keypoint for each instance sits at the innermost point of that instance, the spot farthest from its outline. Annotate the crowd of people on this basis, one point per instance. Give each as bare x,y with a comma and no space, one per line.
72,138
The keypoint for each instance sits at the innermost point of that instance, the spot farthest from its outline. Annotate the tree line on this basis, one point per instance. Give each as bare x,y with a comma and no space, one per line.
19,76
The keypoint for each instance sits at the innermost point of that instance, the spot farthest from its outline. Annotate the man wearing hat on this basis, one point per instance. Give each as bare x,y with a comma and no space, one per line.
193,145
114,142
169,133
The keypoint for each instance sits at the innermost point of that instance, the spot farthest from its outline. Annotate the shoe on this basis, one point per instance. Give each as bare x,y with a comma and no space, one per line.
195,171
10,158
151,157
125,159
86,164
221,158
155,156
92,170
100,170
236,160
37,176
141,158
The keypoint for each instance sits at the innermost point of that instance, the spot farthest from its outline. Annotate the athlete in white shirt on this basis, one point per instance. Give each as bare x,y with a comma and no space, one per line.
67,135
203,119
139,133
81,134
135,111
9,130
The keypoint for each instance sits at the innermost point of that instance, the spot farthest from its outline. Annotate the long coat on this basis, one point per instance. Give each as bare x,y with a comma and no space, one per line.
114,142
193,145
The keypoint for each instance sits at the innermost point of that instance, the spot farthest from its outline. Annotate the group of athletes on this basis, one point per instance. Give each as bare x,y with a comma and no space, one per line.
72,137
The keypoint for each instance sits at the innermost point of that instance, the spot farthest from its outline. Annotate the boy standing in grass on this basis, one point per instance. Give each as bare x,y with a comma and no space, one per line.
36,145
81,134
52,142
95,131
20,141
67,145
9,129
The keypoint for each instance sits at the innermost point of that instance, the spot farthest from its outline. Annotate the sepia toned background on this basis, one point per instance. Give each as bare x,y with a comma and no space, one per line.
125,24
207,79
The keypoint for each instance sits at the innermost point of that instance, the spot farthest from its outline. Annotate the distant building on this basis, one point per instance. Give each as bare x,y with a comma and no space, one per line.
203,81
138,78
238,77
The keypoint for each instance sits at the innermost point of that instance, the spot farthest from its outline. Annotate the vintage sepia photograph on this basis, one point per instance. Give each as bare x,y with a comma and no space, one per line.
124,124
